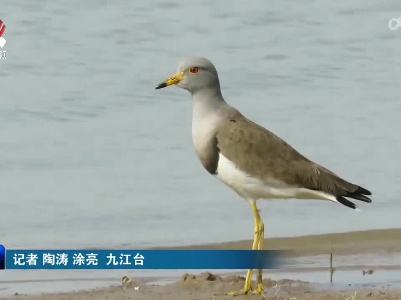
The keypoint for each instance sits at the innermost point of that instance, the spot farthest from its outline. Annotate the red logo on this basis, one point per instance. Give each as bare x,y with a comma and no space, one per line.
2,28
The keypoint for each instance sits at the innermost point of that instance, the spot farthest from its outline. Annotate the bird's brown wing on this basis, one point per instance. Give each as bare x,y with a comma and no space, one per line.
262,154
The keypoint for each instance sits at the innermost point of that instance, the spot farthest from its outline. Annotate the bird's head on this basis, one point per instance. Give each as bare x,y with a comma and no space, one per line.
193,74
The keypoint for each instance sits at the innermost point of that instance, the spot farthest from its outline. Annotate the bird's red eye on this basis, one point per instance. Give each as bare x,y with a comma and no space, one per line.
194,70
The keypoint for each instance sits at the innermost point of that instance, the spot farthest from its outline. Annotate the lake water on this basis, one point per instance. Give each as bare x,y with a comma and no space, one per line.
92,155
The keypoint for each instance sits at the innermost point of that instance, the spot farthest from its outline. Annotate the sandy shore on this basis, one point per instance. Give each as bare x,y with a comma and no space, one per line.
379,244
341,243
204,287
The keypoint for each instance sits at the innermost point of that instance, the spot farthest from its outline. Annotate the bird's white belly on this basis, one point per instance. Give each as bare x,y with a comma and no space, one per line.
254,188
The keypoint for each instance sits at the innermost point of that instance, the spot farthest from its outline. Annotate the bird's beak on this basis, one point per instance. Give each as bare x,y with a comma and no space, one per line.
176,78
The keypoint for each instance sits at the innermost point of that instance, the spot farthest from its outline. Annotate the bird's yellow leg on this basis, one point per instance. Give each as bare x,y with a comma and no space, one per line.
261,231
256,244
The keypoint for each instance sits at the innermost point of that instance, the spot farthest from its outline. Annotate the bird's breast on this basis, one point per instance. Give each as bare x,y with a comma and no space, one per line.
205,144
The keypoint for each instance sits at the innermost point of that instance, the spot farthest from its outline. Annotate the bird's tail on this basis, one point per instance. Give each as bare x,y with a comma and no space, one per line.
359,193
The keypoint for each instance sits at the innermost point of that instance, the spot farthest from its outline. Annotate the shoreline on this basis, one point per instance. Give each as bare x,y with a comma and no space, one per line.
378,249
352,242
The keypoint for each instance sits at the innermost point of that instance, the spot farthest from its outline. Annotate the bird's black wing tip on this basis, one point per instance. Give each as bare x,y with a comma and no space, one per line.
362,191
346,202
359,194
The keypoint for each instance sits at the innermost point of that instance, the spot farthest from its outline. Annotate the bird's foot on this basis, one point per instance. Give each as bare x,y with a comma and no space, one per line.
245,290
259,289
238,293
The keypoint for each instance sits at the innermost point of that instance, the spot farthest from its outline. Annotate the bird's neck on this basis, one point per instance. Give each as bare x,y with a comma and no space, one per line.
207,109
207,106
207,100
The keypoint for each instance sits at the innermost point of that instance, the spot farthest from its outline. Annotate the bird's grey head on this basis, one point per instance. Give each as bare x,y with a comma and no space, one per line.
194,74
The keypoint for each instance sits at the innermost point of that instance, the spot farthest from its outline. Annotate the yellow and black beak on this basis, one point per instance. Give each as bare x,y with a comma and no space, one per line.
176,78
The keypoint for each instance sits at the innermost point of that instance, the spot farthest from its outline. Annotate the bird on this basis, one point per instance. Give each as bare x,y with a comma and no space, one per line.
248,158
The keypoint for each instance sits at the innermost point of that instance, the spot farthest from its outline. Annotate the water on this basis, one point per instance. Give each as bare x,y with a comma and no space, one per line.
92,155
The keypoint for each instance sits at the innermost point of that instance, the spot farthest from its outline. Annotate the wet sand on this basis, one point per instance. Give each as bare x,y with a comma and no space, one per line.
205,286
340,243
367,246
